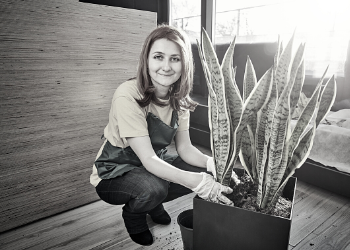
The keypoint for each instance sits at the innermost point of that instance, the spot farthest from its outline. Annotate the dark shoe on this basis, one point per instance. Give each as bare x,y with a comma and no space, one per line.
163,219
145,238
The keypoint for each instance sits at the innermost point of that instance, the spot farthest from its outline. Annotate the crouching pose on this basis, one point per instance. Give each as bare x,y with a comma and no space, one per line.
147,113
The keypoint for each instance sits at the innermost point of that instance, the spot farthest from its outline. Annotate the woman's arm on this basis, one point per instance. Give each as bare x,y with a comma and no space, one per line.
188,152
201,183
143,149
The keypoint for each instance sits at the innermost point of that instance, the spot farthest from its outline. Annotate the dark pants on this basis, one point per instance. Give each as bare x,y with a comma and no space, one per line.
142,193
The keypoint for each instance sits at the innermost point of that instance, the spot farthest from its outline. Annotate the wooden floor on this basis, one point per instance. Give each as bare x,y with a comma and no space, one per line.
321,220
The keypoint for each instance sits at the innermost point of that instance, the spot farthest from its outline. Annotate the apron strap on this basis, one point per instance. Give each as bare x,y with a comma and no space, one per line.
174,120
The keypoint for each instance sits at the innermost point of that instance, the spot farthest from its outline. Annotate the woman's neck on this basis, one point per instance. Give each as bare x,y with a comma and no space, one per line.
162,93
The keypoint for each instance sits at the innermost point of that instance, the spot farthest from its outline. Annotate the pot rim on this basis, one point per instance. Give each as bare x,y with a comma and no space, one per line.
179,220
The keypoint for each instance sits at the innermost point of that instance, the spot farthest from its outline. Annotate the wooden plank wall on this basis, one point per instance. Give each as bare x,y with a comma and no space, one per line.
60,64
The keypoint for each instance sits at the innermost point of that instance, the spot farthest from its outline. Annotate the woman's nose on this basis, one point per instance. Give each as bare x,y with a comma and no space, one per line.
166,66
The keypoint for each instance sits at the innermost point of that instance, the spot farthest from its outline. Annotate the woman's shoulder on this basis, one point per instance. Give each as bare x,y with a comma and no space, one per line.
128,89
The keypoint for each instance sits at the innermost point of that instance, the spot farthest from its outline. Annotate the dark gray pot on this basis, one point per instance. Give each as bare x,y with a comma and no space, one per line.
218,226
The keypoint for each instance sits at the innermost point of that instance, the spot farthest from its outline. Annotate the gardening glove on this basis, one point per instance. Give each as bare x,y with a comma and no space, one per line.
211,169
209,189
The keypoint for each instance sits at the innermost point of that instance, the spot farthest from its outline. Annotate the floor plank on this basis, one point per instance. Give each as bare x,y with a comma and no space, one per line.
311,213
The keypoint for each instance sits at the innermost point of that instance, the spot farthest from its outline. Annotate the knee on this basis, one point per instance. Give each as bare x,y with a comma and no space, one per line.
156,192
150,197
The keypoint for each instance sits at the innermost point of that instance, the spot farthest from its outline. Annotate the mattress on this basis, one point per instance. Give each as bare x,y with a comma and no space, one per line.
332,141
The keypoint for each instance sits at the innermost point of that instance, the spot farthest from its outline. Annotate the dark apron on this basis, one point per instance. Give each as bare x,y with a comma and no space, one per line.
115,161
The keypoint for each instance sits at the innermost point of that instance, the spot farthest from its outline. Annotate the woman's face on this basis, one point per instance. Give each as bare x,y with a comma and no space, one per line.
164,63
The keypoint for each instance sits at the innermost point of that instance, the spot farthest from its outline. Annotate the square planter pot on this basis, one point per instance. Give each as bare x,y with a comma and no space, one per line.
218,226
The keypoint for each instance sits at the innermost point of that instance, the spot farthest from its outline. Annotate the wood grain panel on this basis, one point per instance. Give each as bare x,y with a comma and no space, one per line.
60,64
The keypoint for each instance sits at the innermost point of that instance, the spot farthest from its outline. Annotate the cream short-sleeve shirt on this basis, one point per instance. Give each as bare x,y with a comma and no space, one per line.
128,119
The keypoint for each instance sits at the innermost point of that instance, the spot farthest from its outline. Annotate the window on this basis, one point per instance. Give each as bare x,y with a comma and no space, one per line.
187,16
323,25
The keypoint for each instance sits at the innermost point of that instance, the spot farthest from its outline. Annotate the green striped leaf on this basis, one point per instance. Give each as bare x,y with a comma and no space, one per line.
300,155
212,105
297,61
265,118
304,120
277,55
305,117
303,149
297,87
275,198
249,80
275,170
257,99
221,138
282,70
247,153
327,99
234,108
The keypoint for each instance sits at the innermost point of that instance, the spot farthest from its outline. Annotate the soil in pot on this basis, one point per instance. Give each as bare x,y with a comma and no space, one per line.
244,196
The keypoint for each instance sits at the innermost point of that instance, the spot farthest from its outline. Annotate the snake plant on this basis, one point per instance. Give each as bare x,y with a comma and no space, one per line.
256,127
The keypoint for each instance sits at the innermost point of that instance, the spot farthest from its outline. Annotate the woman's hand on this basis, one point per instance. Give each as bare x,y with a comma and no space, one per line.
209,189
211,169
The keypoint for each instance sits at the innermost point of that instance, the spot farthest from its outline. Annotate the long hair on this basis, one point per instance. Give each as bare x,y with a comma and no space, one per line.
180,90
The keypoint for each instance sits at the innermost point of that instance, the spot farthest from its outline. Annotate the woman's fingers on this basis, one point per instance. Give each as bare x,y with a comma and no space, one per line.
209,189
225,200
226,190
216,194
222,198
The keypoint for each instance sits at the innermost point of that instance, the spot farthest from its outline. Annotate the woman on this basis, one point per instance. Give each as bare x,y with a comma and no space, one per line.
147,113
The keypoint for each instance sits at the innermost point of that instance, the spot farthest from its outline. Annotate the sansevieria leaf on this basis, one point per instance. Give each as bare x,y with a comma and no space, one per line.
282,70
249,80
221,135
277,55
212,106
293,79
234,107
305,117
275,170
300,154
297,87
247,153
303,121
327,99
304,147
257,99
265,118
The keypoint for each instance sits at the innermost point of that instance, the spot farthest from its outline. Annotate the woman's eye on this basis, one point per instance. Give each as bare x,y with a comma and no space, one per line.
176,59
159,57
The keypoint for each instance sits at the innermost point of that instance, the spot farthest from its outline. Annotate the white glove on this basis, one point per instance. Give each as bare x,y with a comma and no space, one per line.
209,189
211,169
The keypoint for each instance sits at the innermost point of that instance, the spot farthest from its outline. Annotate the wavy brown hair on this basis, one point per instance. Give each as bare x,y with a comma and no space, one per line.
180,90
